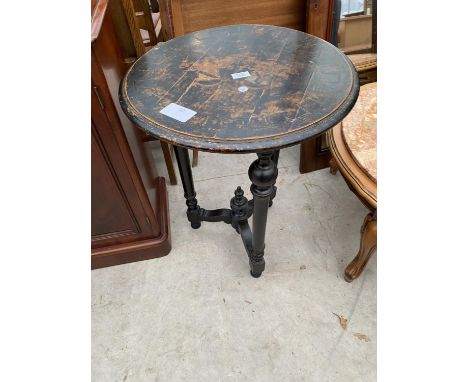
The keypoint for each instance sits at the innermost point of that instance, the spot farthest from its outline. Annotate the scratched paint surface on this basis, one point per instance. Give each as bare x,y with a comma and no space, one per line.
299,86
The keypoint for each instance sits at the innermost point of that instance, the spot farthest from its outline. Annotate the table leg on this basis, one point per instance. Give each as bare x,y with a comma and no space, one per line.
183,162
274,158
263,173
333,166
169,164
367,248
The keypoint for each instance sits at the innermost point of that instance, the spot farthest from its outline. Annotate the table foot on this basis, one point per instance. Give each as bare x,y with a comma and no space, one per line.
195,225
367,248
256,275
257,264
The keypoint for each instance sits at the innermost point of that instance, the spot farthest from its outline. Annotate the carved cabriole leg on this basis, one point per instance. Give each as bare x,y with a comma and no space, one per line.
263,173
193,210
367,247
333,166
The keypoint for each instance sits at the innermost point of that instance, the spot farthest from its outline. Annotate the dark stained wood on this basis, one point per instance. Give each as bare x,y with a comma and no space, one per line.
129,217
138,250
154,5
312,16
112,65
299,87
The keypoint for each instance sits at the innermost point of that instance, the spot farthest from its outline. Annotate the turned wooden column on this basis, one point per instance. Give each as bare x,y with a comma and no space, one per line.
263,173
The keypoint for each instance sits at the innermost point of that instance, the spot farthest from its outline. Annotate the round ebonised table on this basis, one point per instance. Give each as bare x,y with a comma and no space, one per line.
254,88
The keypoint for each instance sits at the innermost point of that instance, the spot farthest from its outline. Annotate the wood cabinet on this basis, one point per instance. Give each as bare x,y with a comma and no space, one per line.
129,209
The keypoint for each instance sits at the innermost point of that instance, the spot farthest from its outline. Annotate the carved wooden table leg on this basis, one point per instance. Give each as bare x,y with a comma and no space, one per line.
366,249
263,173
275,159
183,161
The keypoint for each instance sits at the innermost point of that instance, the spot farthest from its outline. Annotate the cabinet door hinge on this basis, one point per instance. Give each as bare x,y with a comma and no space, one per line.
98,95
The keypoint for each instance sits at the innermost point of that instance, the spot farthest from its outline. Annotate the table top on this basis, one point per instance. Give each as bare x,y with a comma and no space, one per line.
360,130
291,86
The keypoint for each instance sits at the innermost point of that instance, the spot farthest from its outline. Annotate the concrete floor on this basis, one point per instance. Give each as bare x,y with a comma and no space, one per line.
198,315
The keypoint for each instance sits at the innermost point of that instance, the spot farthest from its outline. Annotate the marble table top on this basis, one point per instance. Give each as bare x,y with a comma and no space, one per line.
359,130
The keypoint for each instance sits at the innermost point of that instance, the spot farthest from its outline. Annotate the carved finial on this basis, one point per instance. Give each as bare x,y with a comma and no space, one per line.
239,192
239,200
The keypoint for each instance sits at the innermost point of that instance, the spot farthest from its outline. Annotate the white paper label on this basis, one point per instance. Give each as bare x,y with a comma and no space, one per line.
180,113
236,76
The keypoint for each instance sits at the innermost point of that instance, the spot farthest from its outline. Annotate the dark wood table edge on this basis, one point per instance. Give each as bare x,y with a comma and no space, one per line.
233,147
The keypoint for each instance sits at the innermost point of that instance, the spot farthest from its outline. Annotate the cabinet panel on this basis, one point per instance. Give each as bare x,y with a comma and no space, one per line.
114,183
111,214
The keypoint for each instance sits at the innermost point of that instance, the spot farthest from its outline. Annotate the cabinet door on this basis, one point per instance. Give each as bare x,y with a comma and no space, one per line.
118,215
